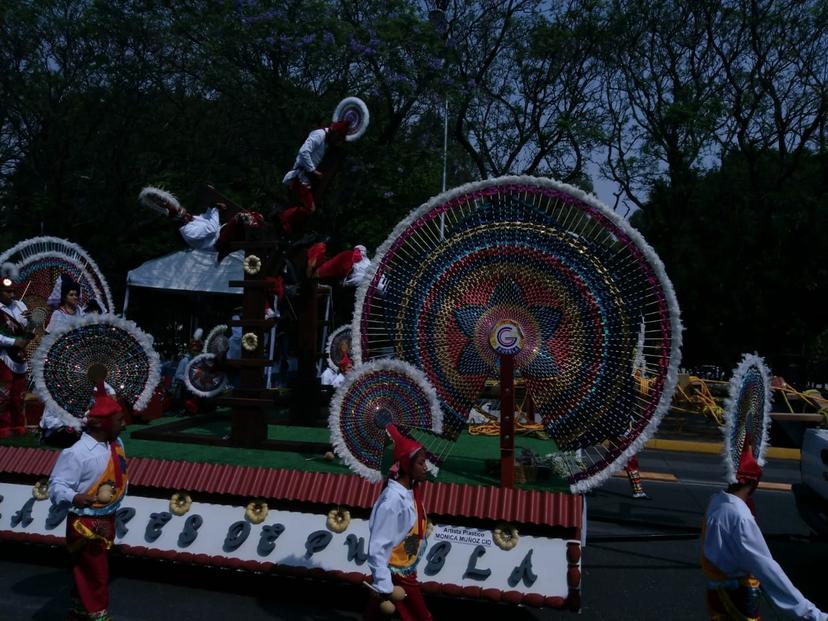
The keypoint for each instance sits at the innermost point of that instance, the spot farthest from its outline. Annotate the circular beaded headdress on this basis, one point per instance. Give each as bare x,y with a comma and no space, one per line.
374,395
747,413
354,112
67,363
541,271
203,378
339,343
217,341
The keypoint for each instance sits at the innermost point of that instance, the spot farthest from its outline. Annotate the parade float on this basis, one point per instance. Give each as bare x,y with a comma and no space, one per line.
522,283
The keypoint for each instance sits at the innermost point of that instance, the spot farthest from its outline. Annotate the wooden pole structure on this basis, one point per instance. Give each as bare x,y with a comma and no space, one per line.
250,401
507,420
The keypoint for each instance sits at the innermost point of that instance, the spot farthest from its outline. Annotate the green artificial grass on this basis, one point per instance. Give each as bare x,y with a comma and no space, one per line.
473,460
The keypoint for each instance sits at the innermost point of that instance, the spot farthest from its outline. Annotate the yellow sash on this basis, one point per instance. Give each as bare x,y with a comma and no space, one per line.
106,482
714,574
405,554
88,535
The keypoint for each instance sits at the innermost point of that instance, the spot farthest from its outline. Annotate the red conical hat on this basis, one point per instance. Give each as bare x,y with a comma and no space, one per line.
339,127
404,447
749,469
104,406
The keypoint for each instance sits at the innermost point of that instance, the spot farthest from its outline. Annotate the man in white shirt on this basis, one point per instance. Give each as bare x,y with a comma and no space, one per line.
397,532
332,378
204,231
737,561
302,178
347,267
14,337
336,378
90,479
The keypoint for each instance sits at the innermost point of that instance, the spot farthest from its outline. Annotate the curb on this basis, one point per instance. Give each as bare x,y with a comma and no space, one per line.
715,448
650,476
671,478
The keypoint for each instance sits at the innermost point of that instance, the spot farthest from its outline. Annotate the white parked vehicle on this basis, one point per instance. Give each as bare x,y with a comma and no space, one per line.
812,494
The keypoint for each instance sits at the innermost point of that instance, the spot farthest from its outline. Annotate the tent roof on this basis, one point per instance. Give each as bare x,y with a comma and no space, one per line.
190,270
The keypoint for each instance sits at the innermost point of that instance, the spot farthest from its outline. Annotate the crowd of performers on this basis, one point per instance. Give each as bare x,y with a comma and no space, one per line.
90,478
223,222
16,332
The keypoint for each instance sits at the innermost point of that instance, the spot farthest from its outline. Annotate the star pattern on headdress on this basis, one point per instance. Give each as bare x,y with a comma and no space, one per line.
507,301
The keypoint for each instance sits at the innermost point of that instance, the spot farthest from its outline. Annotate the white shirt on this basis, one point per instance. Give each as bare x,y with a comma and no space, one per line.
234,345
53,418
76,470
332,378
358,272
181,369
202,231
15,310
735,545
310,155
61,319
392,518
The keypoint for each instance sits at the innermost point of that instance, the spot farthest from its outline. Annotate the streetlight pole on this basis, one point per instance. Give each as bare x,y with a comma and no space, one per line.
437,17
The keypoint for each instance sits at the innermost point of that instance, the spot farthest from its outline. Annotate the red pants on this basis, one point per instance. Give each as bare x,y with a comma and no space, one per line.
294,219
632,464
412,608
12,387
338,267
90,565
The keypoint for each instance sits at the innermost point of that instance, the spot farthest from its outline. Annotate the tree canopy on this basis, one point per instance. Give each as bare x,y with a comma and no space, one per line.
709,117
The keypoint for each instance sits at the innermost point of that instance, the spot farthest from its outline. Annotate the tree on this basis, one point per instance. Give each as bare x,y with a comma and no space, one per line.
740,289
662,96
525,100
774,59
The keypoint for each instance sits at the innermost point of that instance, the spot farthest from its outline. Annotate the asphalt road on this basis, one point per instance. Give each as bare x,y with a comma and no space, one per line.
641,562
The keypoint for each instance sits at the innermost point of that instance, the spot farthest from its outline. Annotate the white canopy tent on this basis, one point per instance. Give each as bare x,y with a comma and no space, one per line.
193,271
188,270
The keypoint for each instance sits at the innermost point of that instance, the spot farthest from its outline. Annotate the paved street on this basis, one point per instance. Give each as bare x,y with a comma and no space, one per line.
641,562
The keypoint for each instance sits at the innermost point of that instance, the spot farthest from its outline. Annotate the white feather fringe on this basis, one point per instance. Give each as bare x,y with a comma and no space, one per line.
207,394
217,331
149,193
38,248
373,368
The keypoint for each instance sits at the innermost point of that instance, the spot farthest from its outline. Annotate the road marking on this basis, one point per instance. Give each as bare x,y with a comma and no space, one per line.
663,477
714,448
652,476
782,487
